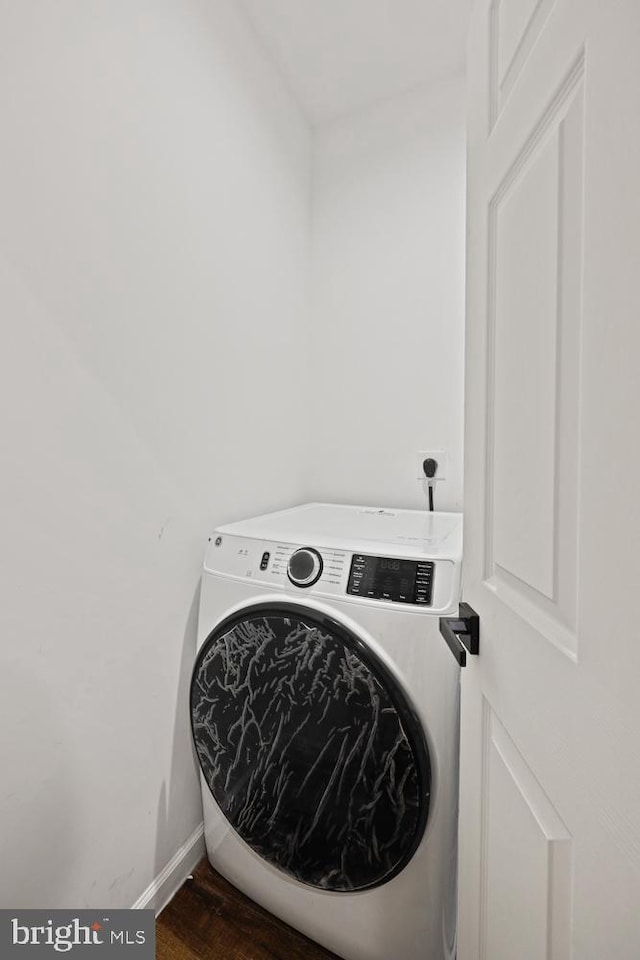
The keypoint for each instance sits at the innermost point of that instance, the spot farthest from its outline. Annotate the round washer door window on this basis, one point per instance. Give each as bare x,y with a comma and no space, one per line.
310,747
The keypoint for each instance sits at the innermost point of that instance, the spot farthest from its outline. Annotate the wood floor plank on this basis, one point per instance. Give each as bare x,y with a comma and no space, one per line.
209,919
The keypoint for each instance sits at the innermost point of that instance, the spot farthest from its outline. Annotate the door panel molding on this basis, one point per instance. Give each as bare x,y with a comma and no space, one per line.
515,27
533,369
520,821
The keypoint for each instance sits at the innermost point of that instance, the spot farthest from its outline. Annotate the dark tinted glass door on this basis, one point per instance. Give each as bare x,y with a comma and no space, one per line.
310,747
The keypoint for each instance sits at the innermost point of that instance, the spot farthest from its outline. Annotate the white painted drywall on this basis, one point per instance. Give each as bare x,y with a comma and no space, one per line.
154,249
154,205
343,55
388,299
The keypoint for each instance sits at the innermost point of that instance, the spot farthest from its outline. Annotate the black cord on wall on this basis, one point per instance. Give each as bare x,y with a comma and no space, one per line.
430,467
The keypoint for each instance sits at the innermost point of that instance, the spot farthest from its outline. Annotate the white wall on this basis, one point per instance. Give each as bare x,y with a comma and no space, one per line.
155,206
154,203
388,299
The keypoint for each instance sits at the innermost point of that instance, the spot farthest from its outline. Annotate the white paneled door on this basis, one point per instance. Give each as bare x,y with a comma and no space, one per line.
550,756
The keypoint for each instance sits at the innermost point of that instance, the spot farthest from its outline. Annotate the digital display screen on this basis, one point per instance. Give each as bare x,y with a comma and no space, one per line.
388,578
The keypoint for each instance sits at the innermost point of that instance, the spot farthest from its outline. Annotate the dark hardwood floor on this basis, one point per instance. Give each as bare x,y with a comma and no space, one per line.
208,919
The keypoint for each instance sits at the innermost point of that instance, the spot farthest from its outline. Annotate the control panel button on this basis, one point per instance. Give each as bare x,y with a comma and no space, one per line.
304,567
264,563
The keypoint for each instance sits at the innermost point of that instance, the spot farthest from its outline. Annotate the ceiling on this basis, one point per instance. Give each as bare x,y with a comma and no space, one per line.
341,55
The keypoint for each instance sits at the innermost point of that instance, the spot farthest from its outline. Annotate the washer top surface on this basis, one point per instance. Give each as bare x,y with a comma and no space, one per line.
377,529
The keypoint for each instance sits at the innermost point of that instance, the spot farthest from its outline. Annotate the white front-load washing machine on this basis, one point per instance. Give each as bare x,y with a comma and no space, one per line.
324,709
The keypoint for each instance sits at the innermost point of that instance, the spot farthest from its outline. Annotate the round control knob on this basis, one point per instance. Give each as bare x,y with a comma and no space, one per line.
304,567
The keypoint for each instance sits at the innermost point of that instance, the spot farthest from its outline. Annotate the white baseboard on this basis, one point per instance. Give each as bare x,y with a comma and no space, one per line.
171,878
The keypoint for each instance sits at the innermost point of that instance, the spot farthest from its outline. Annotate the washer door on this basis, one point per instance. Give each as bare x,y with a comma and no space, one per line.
310,747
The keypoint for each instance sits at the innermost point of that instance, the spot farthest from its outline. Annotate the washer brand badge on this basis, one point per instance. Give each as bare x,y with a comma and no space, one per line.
40,933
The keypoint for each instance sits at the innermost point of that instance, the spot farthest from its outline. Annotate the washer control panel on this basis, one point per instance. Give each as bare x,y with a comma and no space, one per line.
388,578
413,583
